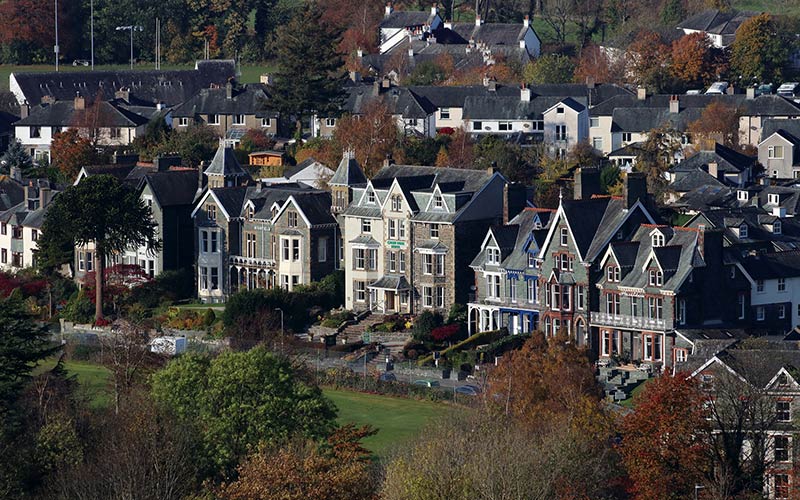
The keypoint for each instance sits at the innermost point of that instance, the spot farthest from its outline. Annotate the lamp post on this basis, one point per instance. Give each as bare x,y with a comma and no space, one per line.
130,28
55,47
91,28
697,487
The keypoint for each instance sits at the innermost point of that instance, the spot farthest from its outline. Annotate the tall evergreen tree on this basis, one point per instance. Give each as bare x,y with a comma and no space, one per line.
16,156
310,72
757,53
102,211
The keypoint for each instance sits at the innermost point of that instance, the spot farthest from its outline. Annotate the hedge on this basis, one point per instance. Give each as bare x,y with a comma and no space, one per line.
468,343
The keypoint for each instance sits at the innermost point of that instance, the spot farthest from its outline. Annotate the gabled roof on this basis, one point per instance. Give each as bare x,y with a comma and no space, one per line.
225,163
63,114
693,180
399,100
717,22
148,87
773,265
407,19
790,128
491,33
250,99
490,107
727,160
173,187
763,105
570,103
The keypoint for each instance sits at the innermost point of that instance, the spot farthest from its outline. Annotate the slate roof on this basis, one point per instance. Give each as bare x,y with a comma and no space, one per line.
646,119
506,108
231,199
406,18
763,105
64,114
788,126
11,192
316,206
399,100
225,163
693,180
246,100
773,265
717,22
391,283
173,187
757,220
727,160
397,60
491,33
171,87
760,366
454,97
348,173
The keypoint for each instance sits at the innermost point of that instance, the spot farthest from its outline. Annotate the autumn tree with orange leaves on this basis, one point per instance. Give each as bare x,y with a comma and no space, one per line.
548,382
719,122
695,62
70,151
648,60
372,135
663,444
338,469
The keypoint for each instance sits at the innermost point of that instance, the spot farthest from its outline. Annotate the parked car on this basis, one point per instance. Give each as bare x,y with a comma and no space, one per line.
468,390
80,62
789,89
764,89
694,92
427,383
387,377
717,88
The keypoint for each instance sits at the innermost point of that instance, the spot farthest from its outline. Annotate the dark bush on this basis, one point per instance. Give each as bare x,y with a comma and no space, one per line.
424,324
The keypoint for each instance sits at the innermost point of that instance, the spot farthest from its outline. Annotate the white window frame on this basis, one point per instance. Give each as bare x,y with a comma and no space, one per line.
760,313
238,120
266,122
213,119
564,236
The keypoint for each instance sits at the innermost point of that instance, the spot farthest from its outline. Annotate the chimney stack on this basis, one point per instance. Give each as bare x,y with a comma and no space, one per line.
24,109
355,77
386,161
434,10
478,20
229,90
386,83
45,194
80,102
525,94
751,92
526,21
123,93
360,53
388,11
641,93
674,104
590,82
587,183
713,169
201,174
410,52
635,188
265,79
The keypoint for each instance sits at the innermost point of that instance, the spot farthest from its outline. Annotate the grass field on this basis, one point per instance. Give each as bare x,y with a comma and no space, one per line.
250,74
396,419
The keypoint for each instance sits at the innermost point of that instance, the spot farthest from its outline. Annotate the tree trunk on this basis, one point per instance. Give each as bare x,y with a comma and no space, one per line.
99,270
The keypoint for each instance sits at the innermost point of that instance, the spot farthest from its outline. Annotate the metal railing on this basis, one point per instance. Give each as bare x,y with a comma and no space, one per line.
628,321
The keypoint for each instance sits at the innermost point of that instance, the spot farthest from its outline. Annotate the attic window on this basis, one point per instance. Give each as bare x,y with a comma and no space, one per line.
657,239
741,195
743,231
655,277
776,227
437,201
492,255
774,199
371,197
250,212
291,219
560,110
783,380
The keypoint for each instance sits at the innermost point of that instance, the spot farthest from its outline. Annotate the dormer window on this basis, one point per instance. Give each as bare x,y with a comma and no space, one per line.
776,227
397,203
783,380
493,256
211,212
531,260
613,273
371,197
655,277
564,236
657,239
742,195
773,199
291,218
438,202
743,231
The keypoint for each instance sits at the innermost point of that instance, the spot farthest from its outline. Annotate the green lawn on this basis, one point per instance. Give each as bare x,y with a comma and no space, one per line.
250,74
397,419
771,6
628,403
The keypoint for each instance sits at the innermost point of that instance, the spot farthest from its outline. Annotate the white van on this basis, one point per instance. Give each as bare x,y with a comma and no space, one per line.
789,89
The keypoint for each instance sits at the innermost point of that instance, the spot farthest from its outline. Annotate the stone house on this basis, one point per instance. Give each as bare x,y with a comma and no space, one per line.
399,25
774,280
230,110
409,234
24,206
506,290
260,236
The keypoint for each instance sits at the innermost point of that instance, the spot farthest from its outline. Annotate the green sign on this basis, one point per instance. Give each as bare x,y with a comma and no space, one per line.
395,244
365,337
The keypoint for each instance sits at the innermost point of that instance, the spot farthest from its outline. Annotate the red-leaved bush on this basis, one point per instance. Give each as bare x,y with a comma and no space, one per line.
446,332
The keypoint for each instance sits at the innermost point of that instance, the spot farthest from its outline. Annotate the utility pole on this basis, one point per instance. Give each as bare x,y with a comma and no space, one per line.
91,24
55,47
131,28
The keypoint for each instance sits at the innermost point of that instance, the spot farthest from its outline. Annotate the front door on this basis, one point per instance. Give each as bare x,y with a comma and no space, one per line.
390,297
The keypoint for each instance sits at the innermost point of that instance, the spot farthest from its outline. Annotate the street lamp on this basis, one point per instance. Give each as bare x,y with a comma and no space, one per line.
697,487
130,28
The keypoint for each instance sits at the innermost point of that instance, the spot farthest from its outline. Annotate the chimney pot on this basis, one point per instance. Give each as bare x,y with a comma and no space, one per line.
641,93
388,11
713,169
80,102
674,104
526,21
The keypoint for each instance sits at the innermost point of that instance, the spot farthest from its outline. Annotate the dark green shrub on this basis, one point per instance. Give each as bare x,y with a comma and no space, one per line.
424,324
209,317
